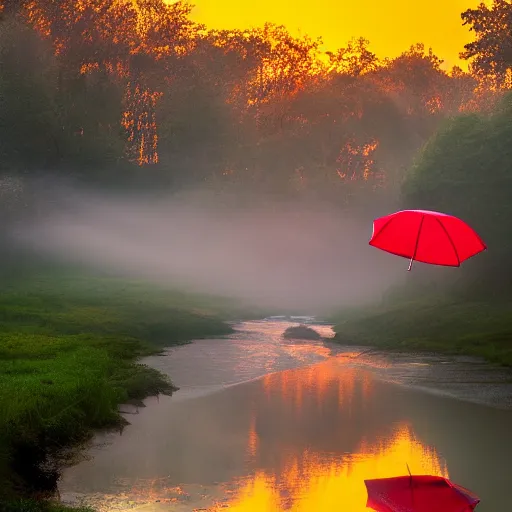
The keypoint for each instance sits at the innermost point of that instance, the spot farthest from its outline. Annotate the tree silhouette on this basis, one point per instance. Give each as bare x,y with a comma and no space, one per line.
138,82
354,60
491,53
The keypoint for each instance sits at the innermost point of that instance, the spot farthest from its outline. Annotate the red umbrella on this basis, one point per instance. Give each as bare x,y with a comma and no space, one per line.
429,237
418,494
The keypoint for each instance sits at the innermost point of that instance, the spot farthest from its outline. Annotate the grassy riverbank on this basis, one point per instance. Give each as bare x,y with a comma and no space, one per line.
68,351
477,328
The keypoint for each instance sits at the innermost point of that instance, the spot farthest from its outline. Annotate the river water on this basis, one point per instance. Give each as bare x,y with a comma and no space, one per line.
262,424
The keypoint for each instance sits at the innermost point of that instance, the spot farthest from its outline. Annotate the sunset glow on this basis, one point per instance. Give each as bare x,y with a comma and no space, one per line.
312,480
391,27
315,482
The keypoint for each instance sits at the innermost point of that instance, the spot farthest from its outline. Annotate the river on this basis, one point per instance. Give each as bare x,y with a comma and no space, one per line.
262,424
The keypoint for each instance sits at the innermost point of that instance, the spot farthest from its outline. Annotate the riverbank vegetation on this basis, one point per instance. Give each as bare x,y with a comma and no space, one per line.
69,346
451,326
463,170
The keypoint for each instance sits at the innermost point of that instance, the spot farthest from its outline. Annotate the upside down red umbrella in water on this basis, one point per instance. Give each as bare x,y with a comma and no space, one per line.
429,237
418,494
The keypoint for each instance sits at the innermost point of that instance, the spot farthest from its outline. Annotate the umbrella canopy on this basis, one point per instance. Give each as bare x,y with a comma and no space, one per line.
429,237
418,494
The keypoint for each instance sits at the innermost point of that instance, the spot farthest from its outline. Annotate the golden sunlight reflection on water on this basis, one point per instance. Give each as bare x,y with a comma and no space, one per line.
266,424
299,440
321,481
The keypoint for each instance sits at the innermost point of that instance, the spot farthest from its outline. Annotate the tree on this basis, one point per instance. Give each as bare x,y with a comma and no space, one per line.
135,44
30,132
137,81
354,60
460,92
285,63
491,52
197,122
417,78
464,170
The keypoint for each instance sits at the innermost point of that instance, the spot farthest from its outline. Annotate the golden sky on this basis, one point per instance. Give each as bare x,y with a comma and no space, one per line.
391,25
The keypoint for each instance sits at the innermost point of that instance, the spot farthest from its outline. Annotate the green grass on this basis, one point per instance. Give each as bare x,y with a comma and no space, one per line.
68,351
474,328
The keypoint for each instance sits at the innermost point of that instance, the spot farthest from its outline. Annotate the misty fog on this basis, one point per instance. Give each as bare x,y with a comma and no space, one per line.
287,255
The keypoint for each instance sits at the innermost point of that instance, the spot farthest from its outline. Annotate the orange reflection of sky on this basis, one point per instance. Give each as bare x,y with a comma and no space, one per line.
313,482
253,438
292,385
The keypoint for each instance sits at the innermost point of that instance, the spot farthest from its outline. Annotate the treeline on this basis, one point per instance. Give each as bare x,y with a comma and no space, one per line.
465,169
111,90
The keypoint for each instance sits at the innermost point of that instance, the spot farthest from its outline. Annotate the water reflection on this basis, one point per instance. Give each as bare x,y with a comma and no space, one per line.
326,482
333,381
254,350
300,439
321,479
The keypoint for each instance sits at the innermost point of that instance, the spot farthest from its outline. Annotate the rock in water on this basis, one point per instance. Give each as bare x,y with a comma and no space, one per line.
301,332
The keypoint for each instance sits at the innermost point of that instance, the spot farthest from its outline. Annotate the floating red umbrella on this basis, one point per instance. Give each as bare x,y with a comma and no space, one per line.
418,494
429,237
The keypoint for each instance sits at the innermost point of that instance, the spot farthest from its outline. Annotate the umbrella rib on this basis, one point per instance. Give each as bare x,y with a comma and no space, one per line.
450,239
417,242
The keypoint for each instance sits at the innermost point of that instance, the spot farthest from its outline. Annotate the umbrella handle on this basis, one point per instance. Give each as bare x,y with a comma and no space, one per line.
410,475
410,265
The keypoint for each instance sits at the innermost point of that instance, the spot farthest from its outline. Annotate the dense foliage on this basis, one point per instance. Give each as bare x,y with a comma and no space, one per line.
111,90
465,170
